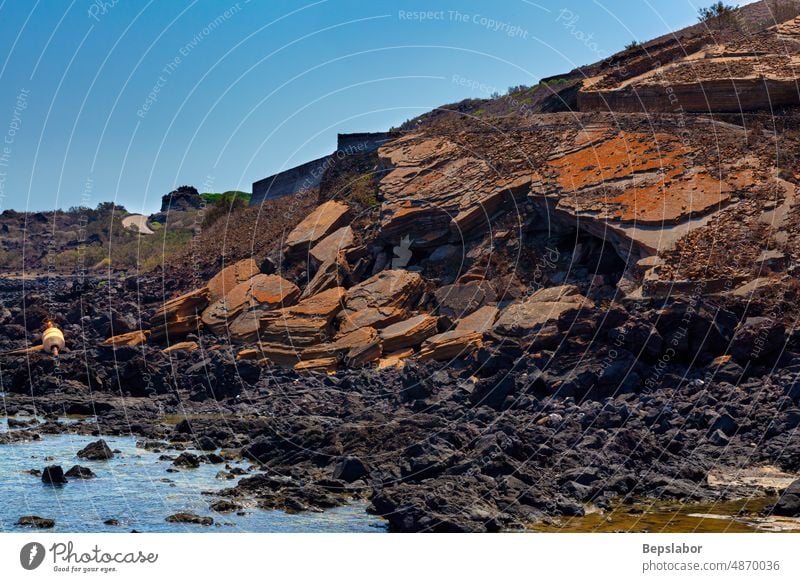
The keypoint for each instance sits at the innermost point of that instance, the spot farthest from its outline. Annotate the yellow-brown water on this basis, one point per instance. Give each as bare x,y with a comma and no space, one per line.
742,516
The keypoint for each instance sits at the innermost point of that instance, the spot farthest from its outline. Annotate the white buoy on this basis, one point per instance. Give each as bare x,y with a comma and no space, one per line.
52,339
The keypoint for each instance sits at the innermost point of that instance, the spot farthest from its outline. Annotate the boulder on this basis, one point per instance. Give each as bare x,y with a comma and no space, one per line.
332,273
376,317
53,475
181,347
304,324
350,469
187,460
355,349
757,338
450,344
191,303
540,309
96,451
180,316
78,472
480,321
393,288
329,247
187,517
327,364
228,278
789,503
395,359
36,522
324,220
130,339
408,333
259,293
461,299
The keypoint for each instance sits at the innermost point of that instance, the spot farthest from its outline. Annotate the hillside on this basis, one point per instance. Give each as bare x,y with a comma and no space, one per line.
575,300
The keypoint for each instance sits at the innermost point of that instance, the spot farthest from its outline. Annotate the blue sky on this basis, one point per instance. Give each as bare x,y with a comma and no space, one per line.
123,100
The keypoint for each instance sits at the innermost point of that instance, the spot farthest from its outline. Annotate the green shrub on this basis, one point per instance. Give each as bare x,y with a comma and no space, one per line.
719,14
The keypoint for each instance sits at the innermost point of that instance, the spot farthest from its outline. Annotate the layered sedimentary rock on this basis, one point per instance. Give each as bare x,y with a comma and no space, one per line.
228,278
450,344
304,324
746,73
329,247
392,288
408,333
258,294
324,220
180,316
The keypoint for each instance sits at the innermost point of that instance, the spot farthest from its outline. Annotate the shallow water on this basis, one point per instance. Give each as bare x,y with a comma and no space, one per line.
135,489
741,516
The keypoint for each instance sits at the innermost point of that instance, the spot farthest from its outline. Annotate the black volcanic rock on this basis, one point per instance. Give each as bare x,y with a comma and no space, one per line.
789,503
96,451
53,475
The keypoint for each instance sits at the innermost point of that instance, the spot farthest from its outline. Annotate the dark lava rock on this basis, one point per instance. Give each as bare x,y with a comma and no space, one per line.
205,443
757,338
789,502
21,423
350,469
96,451
225,506
53,475
36,521
186,517
183,427
189,460
79,472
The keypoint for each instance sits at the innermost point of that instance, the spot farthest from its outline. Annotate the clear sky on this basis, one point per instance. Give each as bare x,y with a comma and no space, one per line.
123,100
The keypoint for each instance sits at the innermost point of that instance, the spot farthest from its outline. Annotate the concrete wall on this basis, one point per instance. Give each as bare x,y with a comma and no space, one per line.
308,175
291,181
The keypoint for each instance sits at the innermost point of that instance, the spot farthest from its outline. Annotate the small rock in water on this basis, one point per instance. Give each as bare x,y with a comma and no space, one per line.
111,522
79,472
96,451
36,521
224,506
186,517
53,475
187,460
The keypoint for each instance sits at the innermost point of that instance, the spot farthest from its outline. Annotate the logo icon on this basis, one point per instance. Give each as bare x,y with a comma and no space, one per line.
31,555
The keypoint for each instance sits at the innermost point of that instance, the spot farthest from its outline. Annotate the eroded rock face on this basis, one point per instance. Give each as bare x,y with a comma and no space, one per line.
436,189
258,294
544,307
324,220
228,278
745,73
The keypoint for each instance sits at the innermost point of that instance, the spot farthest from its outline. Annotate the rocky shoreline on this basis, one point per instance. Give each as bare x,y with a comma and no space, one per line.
499,440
